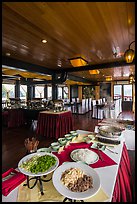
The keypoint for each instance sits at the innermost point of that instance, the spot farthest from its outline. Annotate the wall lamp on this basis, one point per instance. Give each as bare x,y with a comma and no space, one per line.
131,79
129,54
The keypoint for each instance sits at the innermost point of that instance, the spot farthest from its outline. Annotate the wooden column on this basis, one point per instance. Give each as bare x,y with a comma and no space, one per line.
80,93
46,91
54,87
97,92
29,89
62,92
17,89
112,90
33,91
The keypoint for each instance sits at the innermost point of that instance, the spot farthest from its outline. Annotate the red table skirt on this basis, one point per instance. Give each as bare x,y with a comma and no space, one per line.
16,118
54,125
122,191
5,118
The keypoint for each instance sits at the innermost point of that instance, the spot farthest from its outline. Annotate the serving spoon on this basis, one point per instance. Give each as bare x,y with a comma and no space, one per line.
100,145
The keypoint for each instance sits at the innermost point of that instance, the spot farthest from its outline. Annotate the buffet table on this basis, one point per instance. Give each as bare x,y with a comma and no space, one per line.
114,179
54,124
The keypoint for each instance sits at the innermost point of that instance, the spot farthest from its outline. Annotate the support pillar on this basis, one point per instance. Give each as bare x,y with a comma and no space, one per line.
17,89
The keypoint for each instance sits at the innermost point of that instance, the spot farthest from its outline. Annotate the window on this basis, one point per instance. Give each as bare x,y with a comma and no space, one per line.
127,90
8,91
123,92
49,92
59,92
39,91
117,91
65,92
23,92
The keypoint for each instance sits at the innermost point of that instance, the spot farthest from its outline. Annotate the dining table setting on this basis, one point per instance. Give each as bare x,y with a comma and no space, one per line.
54,124
99,170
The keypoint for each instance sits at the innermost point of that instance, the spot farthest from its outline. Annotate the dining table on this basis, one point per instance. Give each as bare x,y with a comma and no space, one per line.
114,174
14,117
53,124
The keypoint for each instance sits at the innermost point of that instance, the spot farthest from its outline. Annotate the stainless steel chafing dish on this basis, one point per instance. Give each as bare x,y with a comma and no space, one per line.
58,105
110,131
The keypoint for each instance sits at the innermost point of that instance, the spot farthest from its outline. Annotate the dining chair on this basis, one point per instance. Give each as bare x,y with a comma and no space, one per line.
97,113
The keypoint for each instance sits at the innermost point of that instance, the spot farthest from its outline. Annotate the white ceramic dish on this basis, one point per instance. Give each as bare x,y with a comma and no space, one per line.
73,131
74,134
55,146
24,159
62,141
89,156
68,136
92,136
76,195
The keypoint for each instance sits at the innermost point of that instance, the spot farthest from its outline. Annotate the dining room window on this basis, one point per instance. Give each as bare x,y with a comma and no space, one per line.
59,92
8,91
49,92
23,92
127,92
117,91
123,91
66,92
39,91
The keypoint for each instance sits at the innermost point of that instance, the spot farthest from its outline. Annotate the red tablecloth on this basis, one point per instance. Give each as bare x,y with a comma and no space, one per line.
122,191
12,182
15,118
5,118
64,156
54,125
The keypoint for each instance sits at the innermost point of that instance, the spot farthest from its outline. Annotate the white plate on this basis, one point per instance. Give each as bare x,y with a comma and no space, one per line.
76,195
92,154
40,173
44,149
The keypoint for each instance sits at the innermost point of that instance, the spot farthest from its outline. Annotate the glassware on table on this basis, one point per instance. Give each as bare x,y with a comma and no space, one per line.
31,145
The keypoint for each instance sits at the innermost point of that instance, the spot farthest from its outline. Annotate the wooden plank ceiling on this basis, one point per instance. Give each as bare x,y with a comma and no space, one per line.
98,31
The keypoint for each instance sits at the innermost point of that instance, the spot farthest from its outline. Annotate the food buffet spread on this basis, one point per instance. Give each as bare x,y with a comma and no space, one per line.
78,166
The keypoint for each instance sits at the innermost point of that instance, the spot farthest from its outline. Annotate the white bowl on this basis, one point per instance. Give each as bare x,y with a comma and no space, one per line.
71,132
75,134
62,141
91,136
44,150
68,136
55,146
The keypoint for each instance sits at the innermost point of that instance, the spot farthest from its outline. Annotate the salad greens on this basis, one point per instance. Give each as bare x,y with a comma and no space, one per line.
38,164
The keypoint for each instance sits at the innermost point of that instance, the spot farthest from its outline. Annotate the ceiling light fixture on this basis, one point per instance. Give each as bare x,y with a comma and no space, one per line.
95,71
108,78
129,54
78,62
44,41
8,54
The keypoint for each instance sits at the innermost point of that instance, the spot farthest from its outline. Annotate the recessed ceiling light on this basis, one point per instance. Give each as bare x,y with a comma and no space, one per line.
95,71
44,41
108,78
8,54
